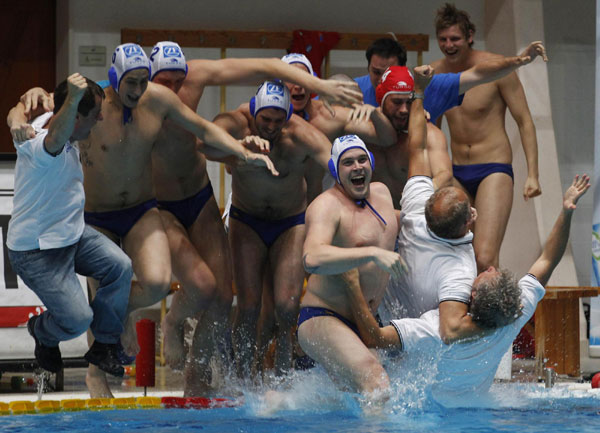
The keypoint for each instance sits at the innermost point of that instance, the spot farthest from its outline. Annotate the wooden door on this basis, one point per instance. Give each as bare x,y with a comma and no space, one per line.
27,55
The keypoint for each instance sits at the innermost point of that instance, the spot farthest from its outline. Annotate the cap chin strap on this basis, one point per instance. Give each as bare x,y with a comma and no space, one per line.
364,202
127,115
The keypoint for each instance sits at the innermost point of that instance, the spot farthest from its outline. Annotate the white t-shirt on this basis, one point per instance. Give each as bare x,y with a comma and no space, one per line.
49,198
466,370
438,269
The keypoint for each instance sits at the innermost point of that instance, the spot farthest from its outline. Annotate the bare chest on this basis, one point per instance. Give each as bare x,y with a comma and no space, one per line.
478,104
391,165
361,227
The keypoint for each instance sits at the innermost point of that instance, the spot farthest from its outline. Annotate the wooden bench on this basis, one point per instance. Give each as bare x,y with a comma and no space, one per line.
557,329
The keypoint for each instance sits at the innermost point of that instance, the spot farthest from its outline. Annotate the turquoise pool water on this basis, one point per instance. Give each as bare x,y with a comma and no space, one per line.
513,407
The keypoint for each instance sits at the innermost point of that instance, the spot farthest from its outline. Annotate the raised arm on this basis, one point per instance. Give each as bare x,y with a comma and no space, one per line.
63,123
494,69
439,159
252,71
370,332
418,163
557,240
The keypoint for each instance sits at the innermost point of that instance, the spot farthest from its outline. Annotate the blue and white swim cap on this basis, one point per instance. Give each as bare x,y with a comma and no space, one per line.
167,56
127,57
340,146
299,58
272,94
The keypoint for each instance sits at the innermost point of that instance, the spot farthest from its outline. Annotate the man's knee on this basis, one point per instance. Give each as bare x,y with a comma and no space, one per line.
76,322
374,377
157,285
120,269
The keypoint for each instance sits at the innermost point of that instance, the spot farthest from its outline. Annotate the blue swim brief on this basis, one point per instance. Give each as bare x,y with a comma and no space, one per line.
307,313
188,209
470,176
119,221
267,230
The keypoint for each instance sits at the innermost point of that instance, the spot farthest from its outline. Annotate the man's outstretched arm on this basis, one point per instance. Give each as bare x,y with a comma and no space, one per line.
494,69
559,236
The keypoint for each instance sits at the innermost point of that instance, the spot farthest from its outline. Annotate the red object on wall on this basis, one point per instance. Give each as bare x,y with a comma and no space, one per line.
145,359
315,45
13,317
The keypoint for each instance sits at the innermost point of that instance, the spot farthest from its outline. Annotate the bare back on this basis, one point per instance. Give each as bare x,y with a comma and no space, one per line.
355,227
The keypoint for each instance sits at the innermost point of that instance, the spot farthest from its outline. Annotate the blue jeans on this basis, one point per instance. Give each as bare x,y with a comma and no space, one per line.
51,274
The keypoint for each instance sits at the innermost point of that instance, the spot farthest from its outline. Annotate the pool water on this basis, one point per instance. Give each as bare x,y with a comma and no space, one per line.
553,415
316,406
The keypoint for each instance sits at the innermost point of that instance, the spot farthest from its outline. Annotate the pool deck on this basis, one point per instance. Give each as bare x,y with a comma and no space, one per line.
170,384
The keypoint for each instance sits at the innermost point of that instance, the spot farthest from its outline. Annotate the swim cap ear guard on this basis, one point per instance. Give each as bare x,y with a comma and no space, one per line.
167,56
340,146
126,58
272,94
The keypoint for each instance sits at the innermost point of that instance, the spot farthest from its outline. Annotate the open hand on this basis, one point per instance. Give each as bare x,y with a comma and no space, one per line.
579,187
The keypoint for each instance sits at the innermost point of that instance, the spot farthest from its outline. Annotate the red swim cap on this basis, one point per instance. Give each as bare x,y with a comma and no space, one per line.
395,80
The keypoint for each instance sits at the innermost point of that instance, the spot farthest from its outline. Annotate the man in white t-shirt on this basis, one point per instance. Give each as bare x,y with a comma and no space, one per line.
435,239
498,310
48,241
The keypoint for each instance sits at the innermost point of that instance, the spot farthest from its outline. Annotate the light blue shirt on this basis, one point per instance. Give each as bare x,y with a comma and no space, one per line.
367,89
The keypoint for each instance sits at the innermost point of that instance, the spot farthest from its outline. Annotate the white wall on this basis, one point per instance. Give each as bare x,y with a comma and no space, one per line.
570,40
569,36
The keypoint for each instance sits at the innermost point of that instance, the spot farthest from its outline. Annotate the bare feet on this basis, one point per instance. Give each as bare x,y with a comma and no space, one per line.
129,337
174,348
97,384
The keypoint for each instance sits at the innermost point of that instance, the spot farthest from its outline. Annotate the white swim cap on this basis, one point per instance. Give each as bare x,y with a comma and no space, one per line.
340,146
298,58
272,94
167,56
127,57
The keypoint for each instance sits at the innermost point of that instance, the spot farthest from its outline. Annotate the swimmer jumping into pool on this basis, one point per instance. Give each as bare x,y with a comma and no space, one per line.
117,167
200,253
266,222
352,225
